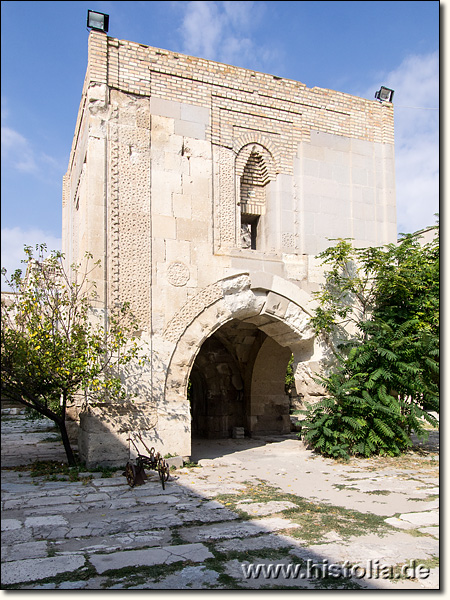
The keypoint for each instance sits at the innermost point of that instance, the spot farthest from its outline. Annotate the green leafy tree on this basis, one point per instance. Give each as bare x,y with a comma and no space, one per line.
289,380
379,312
55,346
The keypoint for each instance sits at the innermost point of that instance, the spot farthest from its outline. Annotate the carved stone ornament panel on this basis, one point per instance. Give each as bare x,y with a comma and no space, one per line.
178,274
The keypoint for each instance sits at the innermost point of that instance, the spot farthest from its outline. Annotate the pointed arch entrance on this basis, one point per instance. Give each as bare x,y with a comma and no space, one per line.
238,380
230,360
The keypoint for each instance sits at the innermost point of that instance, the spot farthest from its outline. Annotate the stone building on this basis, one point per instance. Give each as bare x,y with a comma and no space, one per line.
207,191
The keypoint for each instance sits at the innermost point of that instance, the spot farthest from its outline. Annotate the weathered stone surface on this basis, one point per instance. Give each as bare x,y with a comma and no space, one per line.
389,549
144,528
175,461
24,551
399,523
434,531
421,518
10,524
265,508
232,530
165,172
49,521
39,568
189,578
240,572
149,557
264,541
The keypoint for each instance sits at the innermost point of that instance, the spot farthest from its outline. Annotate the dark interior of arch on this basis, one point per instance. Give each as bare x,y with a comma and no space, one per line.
238,380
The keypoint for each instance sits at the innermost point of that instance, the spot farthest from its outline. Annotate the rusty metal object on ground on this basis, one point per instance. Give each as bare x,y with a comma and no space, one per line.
135,473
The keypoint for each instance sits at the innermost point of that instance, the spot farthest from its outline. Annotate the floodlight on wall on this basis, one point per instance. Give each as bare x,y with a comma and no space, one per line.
384,94
98,21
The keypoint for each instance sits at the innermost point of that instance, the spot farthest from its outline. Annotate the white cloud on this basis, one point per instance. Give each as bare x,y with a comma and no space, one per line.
17,151
22,153
416,122
221,31
13,241
202,28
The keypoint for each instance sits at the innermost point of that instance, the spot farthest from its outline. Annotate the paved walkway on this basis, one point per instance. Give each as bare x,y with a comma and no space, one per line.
254,514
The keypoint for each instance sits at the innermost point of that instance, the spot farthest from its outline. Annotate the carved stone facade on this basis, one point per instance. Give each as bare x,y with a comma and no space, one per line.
207,191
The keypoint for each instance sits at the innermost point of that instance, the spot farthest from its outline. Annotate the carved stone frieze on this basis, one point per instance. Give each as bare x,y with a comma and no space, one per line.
191,309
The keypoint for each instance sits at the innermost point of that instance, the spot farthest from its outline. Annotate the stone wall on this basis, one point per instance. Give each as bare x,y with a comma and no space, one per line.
207,190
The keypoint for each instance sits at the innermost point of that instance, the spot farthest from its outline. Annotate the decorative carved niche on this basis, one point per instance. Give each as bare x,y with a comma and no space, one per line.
254,170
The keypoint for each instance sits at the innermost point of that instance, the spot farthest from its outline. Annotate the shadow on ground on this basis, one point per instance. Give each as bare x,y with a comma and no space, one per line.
247,504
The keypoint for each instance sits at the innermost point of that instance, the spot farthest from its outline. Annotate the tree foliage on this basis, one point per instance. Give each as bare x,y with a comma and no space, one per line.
379,312
289,379
55,345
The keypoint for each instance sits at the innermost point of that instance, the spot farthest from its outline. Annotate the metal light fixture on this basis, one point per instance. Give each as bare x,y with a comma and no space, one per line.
384,94
98,21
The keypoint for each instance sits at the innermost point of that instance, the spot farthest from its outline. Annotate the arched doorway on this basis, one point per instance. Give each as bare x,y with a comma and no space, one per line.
215,391
238,380
230,347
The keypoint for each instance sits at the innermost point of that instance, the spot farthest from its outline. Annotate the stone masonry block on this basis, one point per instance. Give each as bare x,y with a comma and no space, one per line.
195,114
190,130
178,250
276,305
191,230
287,221
165,108
182,205
165,226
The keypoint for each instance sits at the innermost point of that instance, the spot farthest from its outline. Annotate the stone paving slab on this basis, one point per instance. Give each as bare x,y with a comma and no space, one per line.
268,541
11,524
265,508
231,530
422,518
51,521
50,529
238,571
434,531
189,578
150,557
111,543
399,523
39,568
390,549
24,551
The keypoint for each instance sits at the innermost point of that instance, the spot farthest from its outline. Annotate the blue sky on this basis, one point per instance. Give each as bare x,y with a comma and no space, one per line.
353,47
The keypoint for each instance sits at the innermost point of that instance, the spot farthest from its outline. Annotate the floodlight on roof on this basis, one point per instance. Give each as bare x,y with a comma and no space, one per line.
384,94
98,21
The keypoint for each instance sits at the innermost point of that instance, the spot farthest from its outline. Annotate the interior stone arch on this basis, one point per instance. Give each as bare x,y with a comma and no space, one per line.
269,402
215,391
